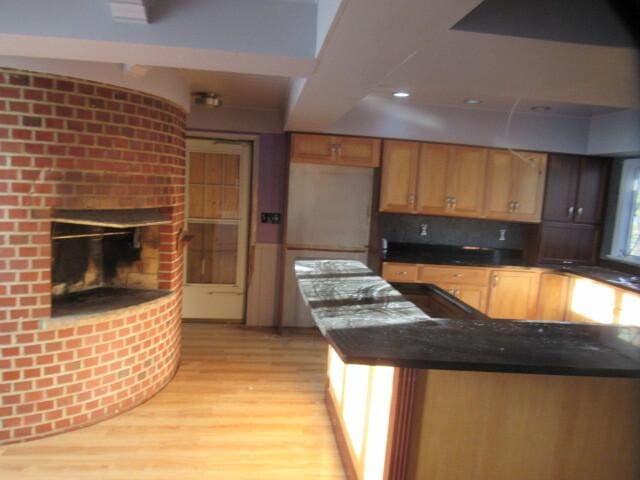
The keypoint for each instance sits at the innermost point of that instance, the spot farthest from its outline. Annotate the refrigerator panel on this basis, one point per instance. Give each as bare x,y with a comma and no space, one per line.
294,312
329,206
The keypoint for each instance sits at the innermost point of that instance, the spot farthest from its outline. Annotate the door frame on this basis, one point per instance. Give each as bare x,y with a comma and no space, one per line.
254,141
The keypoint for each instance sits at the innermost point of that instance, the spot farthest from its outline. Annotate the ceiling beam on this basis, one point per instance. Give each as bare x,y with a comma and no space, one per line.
357,54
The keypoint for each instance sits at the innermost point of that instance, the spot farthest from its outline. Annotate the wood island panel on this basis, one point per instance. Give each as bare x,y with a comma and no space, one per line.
502,426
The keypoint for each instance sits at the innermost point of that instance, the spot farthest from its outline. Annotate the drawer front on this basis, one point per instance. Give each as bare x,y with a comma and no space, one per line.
458,275
399,272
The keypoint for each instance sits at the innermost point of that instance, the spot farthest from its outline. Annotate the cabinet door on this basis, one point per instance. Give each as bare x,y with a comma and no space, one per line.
399,172
466,181
515,185
498,197
308,148
561,188
432,179
568,242
552,297
527,185
473,295
358,152
513,294
399,272
591,186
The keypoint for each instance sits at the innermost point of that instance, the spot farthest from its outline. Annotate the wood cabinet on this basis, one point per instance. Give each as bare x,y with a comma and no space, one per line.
575,189
335,150
552,296
473,295
515,185
573,206
567,242
460,181
439,274
399,173
399,272
513,294
450,180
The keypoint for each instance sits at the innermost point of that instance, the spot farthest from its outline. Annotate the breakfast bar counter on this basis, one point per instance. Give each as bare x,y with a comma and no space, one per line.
417,395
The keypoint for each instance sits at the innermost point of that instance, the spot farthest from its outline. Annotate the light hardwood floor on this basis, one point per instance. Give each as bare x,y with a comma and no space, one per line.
245,404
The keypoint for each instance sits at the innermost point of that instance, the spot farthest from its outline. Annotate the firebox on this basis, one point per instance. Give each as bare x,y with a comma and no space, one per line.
104,259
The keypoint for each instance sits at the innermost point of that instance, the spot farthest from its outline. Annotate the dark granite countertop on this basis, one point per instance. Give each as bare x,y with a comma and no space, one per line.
452,255
375,324
492,257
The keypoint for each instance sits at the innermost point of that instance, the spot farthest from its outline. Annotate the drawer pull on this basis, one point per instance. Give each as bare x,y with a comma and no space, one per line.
457,275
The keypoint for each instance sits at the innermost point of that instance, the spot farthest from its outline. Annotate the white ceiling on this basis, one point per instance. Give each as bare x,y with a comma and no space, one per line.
372,48
239,90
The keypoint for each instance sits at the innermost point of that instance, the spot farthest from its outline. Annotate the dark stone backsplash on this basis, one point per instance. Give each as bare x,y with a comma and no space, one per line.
450,231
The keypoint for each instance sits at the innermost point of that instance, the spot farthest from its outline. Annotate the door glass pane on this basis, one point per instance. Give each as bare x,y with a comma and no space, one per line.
212,254
214,180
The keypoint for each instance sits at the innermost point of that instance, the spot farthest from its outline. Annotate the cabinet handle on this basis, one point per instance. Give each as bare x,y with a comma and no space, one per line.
516,206
580,210
457,275
570,210
401,273
411,199
495,280
456,292
511,207
453,202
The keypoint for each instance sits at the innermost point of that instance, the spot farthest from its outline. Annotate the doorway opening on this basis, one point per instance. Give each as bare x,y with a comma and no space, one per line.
217,218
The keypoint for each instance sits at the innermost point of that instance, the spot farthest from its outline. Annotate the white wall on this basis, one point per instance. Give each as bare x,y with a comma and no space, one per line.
615,134
257,26
379,117
162,84
233,119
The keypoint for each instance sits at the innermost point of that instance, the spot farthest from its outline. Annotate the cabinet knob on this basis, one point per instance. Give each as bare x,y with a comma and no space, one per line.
580,210
511,207
570,210
411,199
495,280
516,206
457,275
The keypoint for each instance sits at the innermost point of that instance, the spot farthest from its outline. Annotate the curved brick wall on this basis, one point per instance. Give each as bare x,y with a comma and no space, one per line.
68,143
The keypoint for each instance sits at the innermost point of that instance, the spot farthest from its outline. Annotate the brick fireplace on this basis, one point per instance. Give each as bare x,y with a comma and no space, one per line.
69,145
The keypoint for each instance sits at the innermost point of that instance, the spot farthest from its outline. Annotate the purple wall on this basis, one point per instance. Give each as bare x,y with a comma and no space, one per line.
273,157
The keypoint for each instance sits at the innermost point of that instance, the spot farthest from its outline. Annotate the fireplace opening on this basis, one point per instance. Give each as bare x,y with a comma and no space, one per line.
103,260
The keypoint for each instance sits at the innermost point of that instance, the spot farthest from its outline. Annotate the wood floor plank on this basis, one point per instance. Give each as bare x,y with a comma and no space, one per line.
245,404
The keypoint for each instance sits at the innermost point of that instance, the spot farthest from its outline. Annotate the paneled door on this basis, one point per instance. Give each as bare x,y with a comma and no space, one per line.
217,216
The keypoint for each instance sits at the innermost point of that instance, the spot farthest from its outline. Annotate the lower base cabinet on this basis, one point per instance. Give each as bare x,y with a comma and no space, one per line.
472,295
513,294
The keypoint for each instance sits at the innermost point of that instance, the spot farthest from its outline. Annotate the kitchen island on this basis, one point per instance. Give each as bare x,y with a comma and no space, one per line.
416,397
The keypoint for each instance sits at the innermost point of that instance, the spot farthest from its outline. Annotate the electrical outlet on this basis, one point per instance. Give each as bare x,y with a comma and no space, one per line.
424,229
503,234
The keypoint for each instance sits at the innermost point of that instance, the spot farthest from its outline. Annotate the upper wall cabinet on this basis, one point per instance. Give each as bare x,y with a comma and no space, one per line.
515,185
575,189
331,150
460,181
450,180
399,173
432,179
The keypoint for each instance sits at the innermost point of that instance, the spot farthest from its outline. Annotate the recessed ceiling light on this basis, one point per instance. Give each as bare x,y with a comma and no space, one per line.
540,108
472,101
401,94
